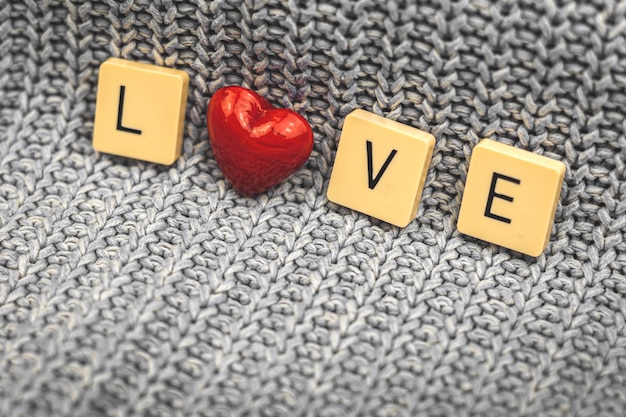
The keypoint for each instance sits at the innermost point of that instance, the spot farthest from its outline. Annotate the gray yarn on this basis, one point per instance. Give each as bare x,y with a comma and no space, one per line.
128,288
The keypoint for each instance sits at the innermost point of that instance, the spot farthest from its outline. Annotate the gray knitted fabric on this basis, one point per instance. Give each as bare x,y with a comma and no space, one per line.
128,288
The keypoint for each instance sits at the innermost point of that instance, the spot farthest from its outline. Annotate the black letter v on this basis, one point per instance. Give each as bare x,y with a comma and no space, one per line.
371,180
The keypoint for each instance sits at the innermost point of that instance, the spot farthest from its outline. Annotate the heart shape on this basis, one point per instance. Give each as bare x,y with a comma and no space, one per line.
255,144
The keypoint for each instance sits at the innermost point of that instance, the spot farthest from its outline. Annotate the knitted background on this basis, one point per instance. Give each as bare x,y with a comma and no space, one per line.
128,288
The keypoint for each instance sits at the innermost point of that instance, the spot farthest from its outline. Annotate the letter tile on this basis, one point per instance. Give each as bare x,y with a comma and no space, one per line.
510,197
380,167
140,111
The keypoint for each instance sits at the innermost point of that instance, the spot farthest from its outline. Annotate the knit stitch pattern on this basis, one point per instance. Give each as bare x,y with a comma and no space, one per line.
134,289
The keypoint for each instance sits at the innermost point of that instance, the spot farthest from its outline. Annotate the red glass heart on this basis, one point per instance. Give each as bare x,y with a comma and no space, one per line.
255,144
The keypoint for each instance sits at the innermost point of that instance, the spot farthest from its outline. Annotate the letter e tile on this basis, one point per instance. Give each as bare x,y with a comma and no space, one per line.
510,197
140,111
380,167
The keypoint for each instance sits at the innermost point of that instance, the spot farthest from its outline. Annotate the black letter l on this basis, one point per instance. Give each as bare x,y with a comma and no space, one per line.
120,111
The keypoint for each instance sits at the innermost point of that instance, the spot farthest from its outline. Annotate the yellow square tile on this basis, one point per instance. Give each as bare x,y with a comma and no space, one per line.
510,197
140,111
380,167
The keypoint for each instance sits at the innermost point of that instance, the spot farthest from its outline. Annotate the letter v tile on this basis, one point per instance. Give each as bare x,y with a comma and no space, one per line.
380,167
